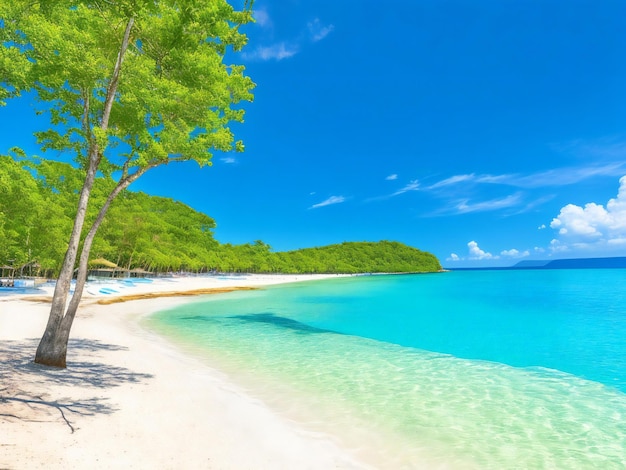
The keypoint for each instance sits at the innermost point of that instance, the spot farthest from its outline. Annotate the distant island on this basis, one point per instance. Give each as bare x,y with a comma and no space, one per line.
570,263
573,263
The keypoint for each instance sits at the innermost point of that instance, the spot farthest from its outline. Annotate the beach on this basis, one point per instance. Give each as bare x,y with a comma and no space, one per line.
130,399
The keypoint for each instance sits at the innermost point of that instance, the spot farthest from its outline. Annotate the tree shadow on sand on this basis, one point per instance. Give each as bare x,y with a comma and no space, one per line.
24,384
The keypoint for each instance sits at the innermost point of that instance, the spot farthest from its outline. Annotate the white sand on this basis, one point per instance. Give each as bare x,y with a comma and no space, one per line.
131,400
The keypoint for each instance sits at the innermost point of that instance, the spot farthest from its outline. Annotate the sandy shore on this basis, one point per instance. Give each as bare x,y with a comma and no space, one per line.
129,399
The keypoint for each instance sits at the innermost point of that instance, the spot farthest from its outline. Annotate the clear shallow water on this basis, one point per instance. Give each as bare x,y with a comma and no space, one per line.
478,369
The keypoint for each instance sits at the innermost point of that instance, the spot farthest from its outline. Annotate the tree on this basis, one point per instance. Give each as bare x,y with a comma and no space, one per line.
128,85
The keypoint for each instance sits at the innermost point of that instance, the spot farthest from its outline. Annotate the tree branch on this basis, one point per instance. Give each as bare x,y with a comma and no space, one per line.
85,120
112,88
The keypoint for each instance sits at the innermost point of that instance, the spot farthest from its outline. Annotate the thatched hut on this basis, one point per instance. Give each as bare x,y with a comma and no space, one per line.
138,272
101,267
7,271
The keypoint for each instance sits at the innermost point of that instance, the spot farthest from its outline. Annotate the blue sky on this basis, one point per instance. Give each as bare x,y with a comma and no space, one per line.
486,132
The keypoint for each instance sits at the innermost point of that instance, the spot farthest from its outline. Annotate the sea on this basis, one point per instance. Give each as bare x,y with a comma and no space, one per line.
485,369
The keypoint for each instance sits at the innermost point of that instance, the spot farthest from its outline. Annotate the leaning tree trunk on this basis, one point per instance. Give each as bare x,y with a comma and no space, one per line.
83,264
52,349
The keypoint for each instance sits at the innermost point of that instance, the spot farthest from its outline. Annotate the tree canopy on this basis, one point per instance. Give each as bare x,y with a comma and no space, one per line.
128,85
173,95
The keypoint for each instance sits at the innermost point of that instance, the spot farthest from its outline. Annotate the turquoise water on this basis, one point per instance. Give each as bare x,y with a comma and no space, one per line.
472,369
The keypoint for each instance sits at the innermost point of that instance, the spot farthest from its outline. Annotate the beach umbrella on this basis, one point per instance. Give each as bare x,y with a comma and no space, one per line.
101,262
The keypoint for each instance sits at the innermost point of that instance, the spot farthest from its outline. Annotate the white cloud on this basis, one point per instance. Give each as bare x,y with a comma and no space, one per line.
460,189
412,186
564,176
315,31
473,178
592,225
318,31
228,160
602,149
577,221
514,253
278,51
331,200
465,207
541,227
535,203
549,178
594,220
476,253
262,18
494,179
557,247
452,180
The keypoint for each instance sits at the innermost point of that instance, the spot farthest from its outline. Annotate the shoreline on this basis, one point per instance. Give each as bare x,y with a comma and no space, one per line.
130,399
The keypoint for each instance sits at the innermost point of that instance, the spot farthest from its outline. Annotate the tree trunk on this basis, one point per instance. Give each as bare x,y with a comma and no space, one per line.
52,349
53,345
83,264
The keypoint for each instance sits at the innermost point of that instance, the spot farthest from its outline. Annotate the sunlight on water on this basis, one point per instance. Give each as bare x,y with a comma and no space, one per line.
402,407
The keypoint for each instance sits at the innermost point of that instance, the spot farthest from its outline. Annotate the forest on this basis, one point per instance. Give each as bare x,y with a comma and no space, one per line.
38,204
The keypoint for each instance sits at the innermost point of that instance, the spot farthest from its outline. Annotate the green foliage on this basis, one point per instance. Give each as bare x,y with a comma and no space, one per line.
155,233
358,257
158,234
174,96
128,85
32,222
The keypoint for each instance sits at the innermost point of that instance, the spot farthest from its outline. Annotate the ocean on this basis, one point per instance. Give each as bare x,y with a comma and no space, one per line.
519,369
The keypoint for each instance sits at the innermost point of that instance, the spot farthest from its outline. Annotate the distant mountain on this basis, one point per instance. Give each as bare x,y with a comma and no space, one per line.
531,264
575,263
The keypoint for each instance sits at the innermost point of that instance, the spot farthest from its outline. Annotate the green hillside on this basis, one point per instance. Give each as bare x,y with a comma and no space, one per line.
37,205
